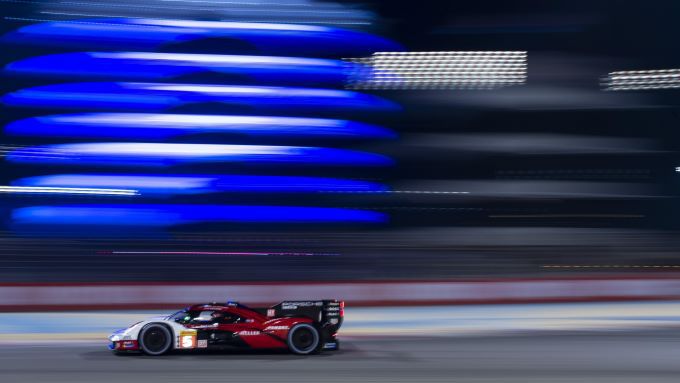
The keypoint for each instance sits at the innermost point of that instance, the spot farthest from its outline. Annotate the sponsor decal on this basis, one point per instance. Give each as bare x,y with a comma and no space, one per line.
275,328
248,333
202,343
187,339
330,345
295,305
336,308
334,321
271,312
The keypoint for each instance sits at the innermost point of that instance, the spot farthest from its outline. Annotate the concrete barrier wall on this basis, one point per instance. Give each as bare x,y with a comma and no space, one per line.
62,296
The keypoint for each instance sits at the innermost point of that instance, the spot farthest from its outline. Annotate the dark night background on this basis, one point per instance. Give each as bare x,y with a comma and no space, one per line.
559,171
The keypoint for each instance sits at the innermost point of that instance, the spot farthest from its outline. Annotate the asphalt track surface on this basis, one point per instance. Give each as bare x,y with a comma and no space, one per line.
604,356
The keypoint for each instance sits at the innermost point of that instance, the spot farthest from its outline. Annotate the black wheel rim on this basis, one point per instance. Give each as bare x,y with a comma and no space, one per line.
303,339
154,340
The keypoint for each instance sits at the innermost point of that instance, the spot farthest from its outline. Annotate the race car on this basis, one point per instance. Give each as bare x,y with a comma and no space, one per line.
303,327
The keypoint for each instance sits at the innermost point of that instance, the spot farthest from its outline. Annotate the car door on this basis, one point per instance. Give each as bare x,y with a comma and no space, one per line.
248,331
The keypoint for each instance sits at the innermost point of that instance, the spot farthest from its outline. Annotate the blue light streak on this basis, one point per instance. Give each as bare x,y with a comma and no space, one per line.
139,33
150,65
157,154
158,97
147,184
162,126
171,215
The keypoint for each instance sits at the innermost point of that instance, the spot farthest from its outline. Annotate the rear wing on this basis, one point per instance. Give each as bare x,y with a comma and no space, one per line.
325,312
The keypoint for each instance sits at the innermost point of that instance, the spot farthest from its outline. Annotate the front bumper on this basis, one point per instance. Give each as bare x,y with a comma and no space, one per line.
124,345
119,342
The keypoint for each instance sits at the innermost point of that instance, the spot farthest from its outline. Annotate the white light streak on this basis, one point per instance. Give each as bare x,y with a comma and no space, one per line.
228,25
238,90
188,120
182,150
191,58
67,191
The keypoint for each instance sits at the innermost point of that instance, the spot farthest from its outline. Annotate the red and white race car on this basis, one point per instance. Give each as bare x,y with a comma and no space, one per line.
303,327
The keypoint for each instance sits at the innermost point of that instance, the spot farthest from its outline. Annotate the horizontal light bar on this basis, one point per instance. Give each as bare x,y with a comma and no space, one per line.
440,70
653,72
198,184
446,54
130,33
155,154
642,80
152,65
155,97
171,215
457,78
67,191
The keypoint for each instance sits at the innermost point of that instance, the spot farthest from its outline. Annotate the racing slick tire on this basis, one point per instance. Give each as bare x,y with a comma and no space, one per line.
155,339
304,339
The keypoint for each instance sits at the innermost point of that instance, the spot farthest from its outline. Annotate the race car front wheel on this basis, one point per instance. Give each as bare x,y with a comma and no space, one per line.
303,339
155,339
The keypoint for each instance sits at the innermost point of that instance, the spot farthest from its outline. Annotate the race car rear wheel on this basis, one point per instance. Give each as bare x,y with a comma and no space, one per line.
303,339
155,339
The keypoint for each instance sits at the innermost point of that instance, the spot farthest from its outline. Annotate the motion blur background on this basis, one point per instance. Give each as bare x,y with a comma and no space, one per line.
164,152
485,179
